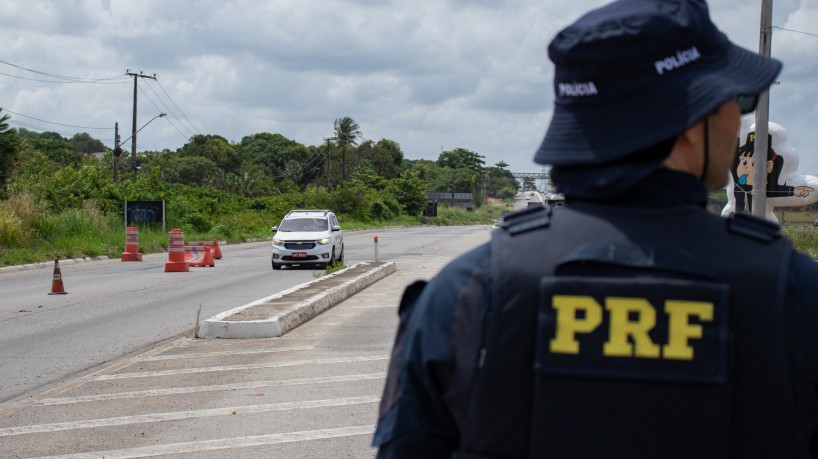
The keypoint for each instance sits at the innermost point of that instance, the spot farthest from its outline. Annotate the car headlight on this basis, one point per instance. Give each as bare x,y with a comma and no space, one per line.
278,242
324,241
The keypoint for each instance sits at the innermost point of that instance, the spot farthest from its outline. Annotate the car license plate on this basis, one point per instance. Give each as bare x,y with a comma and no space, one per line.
299,254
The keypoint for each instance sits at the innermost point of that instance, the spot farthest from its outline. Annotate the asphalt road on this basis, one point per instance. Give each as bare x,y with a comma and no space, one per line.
313,392
524,198
116,309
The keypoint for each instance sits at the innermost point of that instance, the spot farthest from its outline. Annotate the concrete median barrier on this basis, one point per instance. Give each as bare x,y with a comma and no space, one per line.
277,314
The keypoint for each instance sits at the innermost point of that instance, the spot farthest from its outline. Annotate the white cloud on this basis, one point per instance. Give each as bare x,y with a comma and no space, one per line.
426,74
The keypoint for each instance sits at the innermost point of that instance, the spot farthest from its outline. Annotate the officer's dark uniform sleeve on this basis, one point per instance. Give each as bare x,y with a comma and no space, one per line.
416,419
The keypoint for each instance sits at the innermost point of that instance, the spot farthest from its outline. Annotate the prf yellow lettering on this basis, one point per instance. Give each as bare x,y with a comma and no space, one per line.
681,330
617,344
568,325
621,328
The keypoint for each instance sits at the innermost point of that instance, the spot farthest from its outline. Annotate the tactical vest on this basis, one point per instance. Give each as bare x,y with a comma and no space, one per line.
637,333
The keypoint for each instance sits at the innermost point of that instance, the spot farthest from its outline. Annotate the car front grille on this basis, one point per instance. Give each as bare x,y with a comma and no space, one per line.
299,245
296,260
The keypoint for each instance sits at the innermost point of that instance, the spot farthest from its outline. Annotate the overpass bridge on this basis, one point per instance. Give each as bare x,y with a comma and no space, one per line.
540,179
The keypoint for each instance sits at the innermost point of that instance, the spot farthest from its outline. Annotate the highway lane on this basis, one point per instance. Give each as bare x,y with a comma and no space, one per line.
313,392
114,309
524,198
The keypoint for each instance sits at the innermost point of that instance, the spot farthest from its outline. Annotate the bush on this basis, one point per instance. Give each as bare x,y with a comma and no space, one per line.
13,233
349,200
20,215
378,210
194,221
506,193
222,232
409,192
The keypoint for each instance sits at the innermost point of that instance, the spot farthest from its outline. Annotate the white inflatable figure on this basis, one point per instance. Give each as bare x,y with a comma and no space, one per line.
785,188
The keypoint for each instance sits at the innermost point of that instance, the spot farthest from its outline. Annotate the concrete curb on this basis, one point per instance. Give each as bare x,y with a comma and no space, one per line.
69,261
295,315
50,264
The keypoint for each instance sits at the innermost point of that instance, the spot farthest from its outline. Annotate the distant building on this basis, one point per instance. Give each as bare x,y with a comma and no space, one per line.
463,201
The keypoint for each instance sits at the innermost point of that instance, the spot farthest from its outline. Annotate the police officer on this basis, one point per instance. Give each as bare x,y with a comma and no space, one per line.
631,322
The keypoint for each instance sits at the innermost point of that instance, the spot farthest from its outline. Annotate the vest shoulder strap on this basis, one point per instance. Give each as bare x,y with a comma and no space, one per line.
526,219
753,227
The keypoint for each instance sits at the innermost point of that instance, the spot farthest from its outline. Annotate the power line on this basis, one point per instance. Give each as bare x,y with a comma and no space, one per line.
53,122
180,110
310,164
39,128
59,82
68,79
157,107
796,31
168,109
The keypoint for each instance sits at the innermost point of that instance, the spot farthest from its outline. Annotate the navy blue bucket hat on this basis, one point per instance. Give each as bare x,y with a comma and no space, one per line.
638,72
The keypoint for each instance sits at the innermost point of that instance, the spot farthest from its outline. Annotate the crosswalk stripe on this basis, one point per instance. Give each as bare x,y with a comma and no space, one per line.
225,353
179,415
213,388
220,444
253,366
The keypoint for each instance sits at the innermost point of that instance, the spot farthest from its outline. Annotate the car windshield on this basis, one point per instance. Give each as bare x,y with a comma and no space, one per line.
304,224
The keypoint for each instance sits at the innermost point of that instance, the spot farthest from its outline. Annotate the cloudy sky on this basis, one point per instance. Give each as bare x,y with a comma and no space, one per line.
431,75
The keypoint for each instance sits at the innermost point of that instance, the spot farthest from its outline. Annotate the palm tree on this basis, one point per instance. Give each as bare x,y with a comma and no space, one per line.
8,148
347,132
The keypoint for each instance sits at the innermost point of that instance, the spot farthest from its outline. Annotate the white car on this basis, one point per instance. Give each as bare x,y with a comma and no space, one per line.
307,237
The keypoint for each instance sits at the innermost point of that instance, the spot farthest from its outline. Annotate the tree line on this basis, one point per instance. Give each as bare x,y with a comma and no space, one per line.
209,178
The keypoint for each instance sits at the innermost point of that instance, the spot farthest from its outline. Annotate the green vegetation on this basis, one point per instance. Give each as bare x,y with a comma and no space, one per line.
805,238
56,200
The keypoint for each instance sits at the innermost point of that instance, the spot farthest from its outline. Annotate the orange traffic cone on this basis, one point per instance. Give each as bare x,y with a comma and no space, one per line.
217,252
56,284
131,245
208,258
176,253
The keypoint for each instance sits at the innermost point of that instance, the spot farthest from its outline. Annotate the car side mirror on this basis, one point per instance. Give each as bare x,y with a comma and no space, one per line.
274,229
336,228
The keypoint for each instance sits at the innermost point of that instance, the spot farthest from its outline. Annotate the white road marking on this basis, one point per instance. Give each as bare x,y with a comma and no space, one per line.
252,366
5,411
226,443
198,389
226,353
179,415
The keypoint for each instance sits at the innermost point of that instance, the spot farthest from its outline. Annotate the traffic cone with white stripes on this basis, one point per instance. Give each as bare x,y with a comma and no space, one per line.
56,284
131,252
176,253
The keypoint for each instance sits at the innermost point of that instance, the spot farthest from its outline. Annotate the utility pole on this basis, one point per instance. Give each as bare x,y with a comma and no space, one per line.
761,143
327,159
117,152
133,131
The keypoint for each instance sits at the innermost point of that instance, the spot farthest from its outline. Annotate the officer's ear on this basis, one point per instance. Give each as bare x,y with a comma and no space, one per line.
691,138
687,152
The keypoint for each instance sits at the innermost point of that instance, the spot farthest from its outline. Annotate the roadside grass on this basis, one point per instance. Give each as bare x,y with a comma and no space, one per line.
328,270
82,233
804,238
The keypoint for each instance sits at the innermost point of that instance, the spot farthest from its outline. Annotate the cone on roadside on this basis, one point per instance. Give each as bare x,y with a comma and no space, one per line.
131,252
176,252
56,284
217,252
